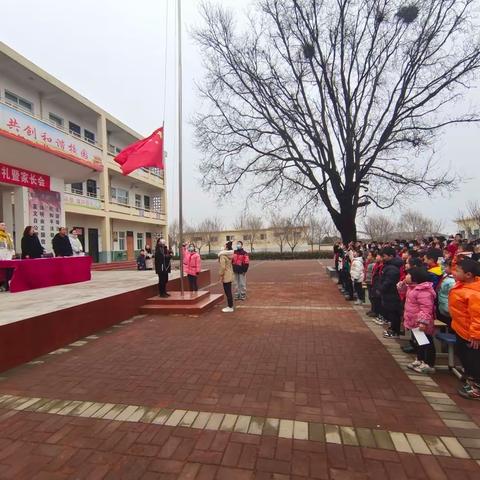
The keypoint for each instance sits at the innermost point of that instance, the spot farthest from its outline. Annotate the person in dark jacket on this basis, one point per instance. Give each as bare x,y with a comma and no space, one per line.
375,298
31,246
142,261
61,244
391,303
163,258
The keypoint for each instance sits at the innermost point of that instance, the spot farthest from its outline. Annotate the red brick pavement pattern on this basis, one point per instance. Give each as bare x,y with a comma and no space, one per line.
306,364
310,365
38,446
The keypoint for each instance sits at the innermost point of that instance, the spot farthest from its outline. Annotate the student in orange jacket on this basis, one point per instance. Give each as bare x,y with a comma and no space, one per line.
464,306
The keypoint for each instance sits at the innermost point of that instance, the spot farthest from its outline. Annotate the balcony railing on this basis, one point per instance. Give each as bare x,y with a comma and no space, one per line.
115,206
88,201
19,122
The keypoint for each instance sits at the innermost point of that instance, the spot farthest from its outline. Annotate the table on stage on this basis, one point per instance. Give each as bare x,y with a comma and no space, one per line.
29,274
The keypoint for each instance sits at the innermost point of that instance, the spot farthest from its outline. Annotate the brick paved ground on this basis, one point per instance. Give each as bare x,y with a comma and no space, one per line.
294,351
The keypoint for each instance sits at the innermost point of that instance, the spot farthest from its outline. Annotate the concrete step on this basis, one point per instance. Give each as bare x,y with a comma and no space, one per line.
106,267
202,305
176,298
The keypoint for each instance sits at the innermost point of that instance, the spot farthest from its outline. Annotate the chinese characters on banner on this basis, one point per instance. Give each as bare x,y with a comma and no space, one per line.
24,178
45,210
45,136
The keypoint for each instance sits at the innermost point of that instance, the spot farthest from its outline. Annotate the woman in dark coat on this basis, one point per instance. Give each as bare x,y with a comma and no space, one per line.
163,258
31,246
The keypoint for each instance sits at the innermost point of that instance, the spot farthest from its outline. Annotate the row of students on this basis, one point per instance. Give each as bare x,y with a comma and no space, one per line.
417,286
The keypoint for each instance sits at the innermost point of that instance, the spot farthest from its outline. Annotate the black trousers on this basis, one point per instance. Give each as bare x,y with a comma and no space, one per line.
359,291
227,288
376,305
426,353
8,277
393,314
192,281
162,283
470,359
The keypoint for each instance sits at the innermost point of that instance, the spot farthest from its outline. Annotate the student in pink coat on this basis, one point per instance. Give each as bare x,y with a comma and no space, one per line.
420,313
192,265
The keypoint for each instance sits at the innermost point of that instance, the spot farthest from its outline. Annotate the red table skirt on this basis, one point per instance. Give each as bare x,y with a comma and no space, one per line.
46,272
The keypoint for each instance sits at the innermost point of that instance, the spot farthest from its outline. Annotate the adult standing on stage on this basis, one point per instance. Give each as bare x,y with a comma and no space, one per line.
61,244
163,259
75,242
7,252
31,246
148,258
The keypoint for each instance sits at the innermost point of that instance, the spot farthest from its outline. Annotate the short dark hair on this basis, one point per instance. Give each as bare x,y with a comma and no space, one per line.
228,245
415,262
434,254
390,251
470,266
26,232
419,275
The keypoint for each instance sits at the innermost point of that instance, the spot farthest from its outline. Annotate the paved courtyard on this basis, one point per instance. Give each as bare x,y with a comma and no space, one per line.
295,384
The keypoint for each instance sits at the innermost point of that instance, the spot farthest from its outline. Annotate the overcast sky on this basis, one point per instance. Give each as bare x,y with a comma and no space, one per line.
113,52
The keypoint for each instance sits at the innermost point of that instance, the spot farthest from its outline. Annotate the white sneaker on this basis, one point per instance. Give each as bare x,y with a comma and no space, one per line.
414,364
424,368
227,310
358,302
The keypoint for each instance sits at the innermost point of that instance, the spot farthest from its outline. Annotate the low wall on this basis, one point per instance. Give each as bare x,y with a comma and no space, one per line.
27,339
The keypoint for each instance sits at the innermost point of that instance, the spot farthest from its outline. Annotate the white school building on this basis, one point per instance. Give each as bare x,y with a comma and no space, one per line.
57,169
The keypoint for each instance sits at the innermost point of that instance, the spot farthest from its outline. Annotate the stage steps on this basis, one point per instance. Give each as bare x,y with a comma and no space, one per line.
123,265
192,303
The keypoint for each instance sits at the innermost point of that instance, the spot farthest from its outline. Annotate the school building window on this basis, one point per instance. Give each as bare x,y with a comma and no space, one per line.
89,136
146,202
17,101
119,195
263,236
74,129
55,120
139,241
121,241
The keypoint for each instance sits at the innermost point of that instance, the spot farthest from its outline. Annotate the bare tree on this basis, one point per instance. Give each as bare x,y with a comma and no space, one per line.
173,234
418,225
469,219
465,222
295,228
378,227
279,225
252,226
316,229
334,101
473,209
209,230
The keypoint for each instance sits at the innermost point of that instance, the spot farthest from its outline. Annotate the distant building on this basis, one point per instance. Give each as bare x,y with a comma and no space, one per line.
262,240
57,168
469,228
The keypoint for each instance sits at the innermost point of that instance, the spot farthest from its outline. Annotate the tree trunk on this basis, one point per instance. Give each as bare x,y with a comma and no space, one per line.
345,223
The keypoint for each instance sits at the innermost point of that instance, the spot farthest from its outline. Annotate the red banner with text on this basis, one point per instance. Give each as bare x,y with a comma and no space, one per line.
24,178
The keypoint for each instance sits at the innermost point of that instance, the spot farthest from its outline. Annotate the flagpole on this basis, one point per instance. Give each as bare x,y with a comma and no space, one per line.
179,119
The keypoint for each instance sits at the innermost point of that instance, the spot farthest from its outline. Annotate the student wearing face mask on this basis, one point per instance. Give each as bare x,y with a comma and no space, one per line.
192,265
241,262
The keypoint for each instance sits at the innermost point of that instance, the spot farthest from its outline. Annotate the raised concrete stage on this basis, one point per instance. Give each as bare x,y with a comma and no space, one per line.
39,321
191,303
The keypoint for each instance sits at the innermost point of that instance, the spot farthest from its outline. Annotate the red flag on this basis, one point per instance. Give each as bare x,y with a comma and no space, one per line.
144,153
